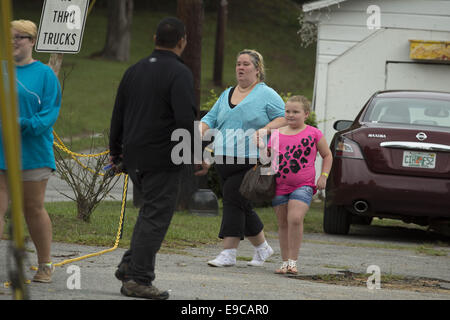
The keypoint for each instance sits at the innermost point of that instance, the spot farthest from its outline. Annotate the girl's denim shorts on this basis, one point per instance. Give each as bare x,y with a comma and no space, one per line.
304,194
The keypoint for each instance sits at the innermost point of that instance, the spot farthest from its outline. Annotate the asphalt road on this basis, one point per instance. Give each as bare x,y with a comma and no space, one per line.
188,277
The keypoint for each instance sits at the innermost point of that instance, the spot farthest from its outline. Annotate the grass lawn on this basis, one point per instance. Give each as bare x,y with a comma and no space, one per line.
186,229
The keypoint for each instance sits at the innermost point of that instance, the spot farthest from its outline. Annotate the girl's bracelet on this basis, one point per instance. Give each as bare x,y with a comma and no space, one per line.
325,174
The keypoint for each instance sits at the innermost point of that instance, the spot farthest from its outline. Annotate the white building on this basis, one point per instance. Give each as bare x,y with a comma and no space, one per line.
364,46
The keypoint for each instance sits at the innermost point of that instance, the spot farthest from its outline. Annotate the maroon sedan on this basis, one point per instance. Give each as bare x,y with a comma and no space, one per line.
392,161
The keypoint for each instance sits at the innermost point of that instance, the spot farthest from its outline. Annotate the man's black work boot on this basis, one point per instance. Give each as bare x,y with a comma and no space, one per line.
132,289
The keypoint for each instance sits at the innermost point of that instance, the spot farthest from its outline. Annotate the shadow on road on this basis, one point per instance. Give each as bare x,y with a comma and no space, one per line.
398,234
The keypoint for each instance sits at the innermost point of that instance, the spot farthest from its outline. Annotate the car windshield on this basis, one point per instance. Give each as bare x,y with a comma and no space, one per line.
415,111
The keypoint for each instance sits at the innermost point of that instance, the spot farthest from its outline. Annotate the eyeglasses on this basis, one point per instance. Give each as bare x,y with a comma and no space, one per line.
18,38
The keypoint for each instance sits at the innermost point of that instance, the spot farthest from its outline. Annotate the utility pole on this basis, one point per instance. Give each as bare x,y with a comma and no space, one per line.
191,12
222,14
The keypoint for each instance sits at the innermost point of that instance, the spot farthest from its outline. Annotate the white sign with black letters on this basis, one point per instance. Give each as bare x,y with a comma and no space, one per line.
62,25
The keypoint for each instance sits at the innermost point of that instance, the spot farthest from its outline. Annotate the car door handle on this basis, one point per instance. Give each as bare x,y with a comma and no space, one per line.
415,146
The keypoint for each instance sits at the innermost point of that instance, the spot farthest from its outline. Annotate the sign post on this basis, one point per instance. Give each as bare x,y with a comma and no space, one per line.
11,144
62,26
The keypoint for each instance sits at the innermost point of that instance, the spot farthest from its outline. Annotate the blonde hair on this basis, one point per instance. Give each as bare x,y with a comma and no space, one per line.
25,26
257,60
306,104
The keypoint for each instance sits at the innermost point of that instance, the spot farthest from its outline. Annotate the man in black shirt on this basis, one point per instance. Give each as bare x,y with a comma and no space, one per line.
154,98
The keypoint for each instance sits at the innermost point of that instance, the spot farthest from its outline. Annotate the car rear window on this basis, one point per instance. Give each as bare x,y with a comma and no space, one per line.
426,112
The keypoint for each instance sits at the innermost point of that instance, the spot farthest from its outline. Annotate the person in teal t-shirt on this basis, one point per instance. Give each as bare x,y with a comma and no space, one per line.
39,97
242,114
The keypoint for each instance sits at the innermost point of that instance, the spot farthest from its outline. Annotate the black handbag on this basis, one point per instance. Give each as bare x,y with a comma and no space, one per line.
256,186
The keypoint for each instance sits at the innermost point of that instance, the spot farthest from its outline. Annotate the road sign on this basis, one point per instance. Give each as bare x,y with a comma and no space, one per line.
62,25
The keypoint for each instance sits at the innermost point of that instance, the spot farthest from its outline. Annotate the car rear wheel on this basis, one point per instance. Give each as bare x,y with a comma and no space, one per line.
336,220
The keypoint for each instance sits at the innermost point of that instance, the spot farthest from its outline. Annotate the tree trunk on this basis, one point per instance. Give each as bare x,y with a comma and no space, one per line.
222,13
55,62
118,37
83,209
191,12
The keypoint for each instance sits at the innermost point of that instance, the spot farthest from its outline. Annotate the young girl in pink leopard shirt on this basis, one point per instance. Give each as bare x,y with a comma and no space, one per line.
295,157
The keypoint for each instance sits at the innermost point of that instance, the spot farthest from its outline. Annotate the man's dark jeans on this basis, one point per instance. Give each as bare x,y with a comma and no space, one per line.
159,192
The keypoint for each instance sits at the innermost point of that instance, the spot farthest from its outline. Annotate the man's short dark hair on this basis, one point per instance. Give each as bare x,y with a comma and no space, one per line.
169,31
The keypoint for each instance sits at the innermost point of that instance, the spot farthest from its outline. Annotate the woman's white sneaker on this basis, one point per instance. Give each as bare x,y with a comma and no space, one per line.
260,256
226,258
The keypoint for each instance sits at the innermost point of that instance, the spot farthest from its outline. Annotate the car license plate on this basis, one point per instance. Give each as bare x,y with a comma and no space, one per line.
413,159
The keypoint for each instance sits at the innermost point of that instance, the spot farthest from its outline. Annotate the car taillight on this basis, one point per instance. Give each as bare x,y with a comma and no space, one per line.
346,148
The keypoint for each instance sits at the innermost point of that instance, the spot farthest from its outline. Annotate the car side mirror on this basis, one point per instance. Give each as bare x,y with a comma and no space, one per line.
342,125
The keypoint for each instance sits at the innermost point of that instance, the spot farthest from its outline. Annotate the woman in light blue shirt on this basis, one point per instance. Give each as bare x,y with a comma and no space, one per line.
242,114
39,96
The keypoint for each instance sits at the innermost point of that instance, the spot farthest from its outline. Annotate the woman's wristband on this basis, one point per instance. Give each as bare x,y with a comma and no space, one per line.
325,174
